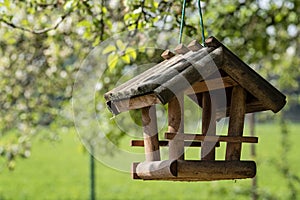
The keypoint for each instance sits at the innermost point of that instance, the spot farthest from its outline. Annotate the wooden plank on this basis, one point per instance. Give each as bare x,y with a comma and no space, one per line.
268,95
194,45
181,49
133,103
251,107
236,122
167,54
209,85
208,126
201,69
164,143
216,138
120,92
157,169
193,170
215,170
150,133
176,124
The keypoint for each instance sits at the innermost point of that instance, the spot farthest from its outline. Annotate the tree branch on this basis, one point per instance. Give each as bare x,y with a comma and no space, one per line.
33,31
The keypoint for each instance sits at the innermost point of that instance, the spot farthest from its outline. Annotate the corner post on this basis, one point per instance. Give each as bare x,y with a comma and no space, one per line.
176,125
236,122
150,132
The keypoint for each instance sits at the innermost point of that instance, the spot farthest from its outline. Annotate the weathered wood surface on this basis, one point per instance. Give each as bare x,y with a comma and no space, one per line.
156,169
217,138
176,124
192,170
194,46
208,126
200,69
251,107
133,103
212,84
167,54
155,76
236,122
150,133
270,97
215,170
164,143
181,49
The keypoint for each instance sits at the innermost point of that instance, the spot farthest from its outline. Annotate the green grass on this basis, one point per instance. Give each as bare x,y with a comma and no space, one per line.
59,170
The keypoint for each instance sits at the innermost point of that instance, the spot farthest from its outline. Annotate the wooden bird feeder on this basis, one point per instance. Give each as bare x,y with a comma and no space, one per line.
192,72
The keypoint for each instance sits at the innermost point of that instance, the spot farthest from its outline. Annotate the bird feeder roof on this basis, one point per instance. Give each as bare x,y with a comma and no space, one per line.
186,71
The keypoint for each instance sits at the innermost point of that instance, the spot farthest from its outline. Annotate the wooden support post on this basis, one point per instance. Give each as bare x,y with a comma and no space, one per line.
150,133
208,126
236,122
176,125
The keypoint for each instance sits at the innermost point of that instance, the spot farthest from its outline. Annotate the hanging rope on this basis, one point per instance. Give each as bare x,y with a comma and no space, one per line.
182,21
201,23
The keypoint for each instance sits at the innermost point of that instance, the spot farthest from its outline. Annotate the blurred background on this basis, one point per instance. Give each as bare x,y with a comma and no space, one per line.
43,44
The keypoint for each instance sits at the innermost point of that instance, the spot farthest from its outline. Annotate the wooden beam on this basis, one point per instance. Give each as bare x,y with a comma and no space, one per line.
249,79
205,63
217,138
209,85
164,143
181,49
194,46
193,170
251,107
156,169
215,170
236,122
150,133
133,103
167,54
208,126
176,124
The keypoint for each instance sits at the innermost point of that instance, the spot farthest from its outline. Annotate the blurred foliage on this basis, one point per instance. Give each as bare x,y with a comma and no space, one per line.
43,42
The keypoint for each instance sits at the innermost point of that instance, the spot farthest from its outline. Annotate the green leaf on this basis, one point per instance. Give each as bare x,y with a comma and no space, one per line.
104,10
109,49
126,58
121,46
84,23
96,41
131,52
112,60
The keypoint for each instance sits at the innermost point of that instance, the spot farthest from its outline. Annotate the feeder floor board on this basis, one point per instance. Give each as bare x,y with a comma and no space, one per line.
193,170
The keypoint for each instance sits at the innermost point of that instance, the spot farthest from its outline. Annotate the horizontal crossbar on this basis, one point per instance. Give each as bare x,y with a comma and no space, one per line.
163,143
217,138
